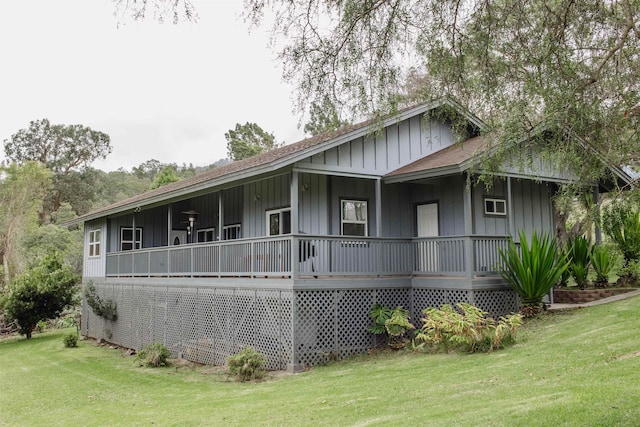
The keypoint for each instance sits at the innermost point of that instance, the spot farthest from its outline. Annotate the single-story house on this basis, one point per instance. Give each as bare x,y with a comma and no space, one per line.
288,251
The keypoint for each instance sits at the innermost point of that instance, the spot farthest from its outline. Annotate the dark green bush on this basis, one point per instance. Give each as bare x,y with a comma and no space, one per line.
602,260
41,293
392,322
70,340
154,355
108,309
532,270
579,249
621,222
246,364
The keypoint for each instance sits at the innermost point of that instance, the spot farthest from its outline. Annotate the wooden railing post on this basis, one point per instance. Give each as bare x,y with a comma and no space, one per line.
468,257
295,255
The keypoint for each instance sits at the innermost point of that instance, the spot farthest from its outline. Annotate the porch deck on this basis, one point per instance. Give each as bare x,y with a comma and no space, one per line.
296,257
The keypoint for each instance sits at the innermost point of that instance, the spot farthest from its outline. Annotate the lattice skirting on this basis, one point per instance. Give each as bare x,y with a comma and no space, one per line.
293,329
201,324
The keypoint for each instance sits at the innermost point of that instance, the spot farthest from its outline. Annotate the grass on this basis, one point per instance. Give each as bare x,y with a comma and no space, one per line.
580,368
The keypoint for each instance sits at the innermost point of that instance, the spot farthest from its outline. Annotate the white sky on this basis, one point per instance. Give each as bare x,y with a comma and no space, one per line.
162,91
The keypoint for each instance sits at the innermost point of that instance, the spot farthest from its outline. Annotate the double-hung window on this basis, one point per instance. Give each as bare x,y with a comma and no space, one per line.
127,242
279,221
353,218
94,243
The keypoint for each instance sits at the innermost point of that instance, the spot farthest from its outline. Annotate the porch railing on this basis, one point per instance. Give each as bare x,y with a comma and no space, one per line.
306,255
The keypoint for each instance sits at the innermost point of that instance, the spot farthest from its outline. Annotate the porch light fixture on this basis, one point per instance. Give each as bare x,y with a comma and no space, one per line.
192,217
256,197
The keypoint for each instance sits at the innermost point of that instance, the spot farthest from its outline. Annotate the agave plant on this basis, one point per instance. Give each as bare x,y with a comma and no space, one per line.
533,270
602,260
579,249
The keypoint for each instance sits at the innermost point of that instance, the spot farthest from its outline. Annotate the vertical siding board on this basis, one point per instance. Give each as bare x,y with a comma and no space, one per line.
381,151
357,154
369,154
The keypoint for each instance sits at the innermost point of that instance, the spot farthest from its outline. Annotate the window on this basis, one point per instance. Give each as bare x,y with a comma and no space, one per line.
279,222
495,207
232,232
126,238
353,218
94,243
206,235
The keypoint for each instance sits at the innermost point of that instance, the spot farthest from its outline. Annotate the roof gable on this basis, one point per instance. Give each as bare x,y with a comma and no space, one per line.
270,161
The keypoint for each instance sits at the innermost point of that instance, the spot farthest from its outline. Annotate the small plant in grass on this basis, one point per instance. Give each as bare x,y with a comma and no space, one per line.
246,364
154,355
392,322
532,270
467,328
579,249
70,340
602,260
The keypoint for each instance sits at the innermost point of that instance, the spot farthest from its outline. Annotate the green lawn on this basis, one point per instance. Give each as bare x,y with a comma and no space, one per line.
580,368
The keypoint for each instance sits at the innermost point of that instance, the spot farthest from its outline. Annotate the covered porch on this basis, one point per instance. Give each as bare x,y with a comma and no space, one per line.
302,257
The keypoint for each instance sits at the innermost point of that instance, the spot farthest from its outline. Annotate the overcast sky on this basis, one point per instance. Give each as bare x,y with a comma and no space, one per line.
158,90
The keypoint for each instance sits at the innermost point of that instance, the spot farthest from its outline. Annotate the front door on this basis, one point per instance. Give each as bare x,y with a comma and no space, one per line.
428,226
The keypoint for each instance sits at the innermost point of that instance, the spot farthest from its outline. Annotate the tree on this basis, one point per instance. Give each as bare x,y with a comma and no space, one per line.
22,189
324,117
248,140
41,293
166,176
568,67
62,149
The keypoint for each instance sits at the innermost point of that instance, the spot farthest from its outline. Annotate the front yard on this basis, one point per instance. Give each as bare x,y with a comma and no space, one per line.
577,368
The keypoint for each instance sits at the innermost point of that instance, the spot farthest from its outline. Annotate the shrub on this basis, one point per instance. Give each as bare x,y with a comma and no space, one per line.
153,355
246,364
70,340
602,260
468,329
394,323
43,292
579,249
621,222
535,272
108,309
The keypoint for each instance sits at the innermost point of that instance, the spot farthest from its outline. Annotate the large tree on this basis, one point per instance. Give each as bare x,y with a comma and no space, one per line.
22,189
63,149
565,66
323,117
248,140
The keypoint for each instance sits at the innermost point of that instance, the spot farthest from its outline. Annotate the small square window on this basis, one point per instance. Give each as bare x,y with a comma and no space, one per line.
494,206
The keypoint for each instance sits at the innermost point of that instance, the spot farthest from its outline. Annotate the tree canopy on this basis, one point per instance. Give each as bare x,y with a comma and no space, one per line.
67,151
248,140
565,66
323,117
61,148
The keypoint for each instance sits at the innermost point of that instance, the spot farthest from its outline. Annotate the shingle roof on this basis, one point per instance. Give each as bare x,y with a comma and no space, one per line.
454,155
269,161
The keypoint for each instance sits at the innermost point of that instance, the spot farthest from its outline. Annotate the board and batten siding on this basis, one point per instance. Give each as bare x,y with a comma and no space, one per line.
531,205
260,197
387,150
95,267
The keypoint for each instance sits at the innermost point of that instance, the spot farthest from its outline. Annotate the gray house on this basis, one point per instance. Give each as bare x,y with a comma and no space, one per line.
288,251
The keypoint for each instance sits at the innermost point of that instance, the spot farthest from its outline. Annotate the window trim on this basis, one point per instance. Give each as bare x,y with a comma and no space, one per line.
95,243
227,228
206,230
135,244
279,211
495,201
365,222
